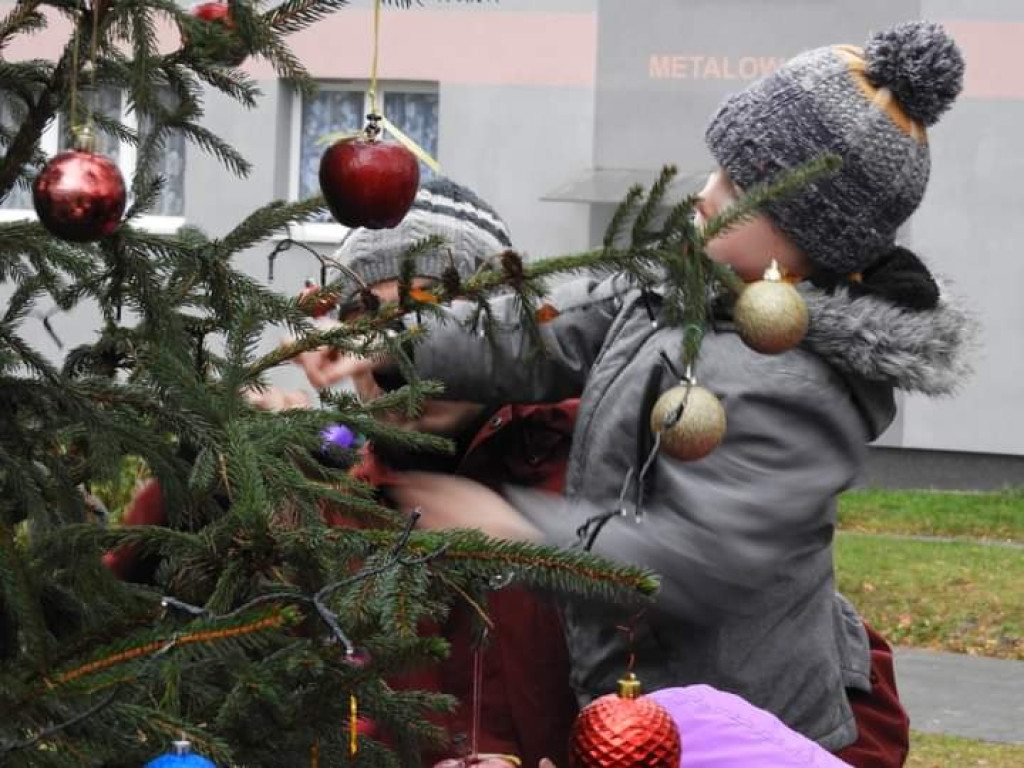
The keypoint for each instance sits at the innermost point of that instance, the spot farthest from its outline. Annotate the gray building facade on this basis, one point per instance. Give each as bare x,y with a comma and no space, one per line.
551,108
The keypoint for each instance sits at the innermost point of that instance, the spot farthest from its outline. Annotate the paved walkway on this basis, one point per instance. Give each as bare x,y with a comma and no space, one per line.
967,696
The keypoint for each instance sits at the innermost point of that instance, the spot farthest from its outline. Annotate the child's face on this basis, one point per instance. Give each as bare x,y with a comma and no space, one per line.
750,246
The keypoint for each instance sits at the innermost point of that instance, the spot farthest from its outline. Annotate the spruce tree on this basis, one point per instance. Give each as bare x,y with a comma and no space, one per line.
261,626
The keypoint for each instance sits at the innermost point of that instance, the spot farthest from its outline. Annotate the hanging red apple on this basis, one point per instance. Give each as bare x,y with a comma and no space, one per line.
367,182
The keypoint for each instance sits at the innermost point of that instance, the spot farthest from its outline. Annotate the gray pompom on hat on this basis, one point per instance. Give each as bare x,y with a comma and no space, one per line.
870,107
472,232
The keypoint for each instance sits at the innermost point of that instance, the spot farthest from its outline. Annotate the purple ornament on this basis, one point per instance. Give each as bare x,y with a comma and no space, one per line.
337,436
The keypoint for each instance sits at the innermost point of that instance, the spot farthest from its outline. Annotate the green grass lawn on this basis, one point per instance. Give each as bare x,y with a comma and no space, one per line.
954,596
997,516
931,751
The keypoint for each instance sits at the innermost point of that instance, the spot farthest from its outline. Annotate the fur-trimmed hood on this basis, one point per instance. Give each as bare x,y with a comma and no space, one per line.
924,351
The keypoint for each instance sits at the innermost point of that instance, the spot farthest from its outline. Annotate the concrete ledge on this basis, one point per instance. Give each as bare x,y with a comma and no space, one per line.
910,468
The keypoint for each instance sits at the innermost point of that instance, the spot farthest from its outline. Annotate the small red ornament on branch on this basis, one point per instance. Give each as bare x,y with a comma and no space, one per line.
231,50
314,301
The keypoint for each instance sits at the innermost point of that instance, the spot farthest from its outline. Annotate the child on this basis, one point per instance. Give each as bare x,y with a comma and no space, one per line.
743,538
524,702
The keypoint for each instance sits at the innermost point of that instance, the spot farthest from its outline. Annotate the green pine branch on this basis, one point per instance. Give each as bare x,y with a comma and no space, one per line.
295,15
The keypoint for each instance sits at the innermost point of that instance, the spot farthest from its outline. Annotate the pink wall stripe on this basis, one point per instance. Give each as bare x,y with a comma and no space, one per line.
456,47
992,50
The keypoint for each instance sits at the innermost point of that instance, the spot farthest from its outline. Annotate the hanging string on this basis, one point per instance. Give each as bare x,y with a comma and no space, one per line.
376,52
629,630
478,675
641,482
83,134
74,81
94,46
377,121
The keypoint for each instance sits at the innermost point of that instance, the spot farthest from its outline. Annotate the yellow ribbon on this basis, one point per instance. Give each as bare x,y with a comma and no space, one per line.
511,759
353,724
421,154
373,62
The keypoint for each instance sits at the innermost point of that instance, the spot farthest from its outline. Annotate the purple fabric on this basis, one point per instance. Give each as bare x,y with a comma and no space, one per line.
721,730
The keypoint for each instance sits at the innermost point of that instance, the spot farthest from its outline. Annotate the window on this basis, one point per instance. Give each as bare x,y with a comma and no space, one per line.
19,199
413,107
166,215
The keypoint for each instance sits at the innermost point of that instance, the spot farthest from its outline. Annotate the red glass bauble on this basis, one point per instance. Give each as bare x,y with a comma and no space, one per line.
624,730
215,12
369,183
79,196
233,52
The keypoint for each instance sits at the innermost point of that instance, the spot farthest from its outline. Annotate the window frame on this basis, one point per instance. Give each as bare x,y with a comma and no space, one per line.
331,232
49,143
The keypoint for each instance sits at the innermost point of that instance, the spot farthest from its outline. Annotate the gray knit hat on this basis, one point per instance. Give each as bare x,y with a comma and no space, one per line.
471,229
870,107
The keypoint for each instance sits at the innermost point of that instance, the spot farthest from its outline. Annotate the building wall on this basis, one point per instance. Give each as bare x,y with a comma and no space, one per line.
536,92
663,67
515,81
970,227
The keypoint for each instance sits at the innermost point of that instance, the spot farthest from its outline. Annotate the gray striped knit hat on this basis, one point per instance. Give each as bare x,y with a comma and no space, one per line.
870,107
471,229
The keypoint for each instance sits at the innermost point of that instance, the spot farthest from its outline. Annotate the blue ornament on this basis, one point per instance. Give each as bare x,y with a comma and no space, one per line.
337,436
181,757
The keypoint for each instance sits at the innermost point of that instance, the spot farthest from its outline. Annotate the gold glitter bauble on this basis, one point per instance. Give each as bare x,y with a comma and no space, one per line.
771,315
698,429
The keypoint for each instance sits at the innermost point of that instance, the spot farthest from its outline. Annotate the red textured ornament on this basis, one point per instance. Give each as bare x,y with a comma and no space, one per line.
79,196
624,730
316,305
369,183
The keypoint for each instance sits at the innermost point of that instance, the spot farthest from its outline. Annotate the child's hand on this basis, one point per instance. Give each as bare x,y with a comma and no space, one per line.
446,501
324,367
276,399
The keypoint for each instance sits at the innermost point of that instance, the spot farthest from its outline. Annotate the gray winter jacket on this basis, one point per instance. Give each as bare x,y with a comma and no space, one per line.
742,538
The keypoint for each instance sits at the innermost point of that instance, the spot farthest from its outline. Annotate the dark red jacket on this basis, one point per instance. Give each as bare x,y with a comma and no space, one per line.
526,705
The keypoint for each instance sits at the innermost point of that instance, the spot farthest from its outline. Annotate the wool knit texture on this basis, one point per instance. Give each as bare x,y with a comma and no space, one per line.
471,229
837,99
